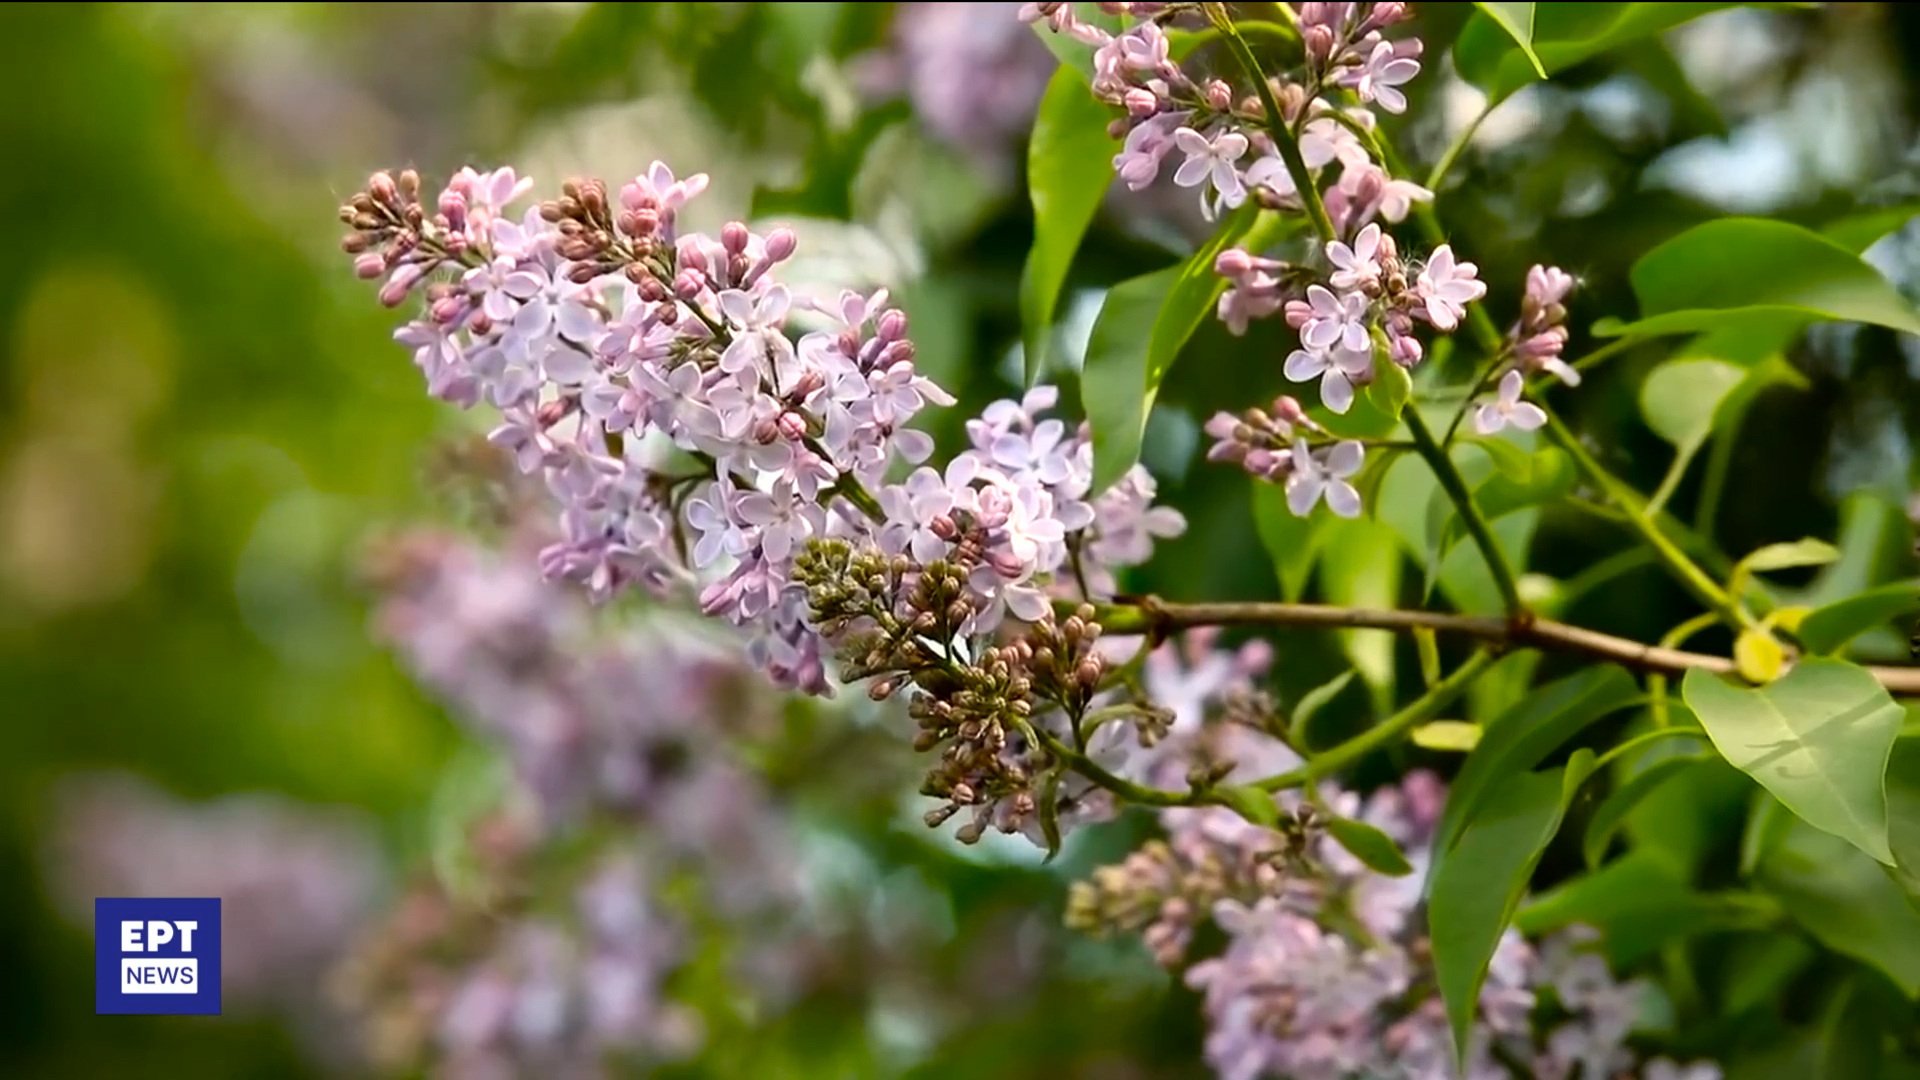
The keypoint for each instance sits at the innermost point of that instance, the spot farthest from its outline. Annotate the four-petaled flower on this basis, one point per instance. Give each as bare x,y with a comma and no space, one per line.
1447,287
1212,160
1507,410
1325,476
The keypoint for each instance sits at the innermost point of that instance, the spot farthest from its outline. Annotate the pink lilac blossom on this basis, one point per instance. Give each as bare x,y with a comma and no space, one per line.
613,345
1292,994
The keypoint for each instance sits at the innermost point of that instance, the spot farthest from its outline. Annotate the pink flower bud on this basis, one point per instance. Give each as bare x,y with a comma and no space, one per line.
734,237
1141,102
1297,312
781,244
1288,409
382,188
892,325
1006,563
1319,46
1220,95
793,425
690,256
1233,263
895,354
808,382
688,284
370,265
766,430
446,310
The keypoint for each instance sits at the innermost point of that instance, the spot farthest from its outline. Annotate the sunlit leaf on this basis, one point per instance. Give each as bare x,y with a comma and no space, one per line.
1818,739
1454,736
1680,397
1069,166
1731,270
1293,543
1113,382
1517,21
1562,35
1251,803
1828,629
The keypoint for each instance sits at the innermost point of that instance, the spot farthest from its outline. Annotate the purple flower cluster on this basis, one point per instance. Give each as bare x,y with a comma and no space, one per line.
636,729
610,343
1326,973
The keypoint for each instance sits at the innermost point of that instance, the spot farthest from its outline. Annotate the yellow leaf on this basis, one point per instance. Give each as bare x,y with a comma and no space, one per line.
1454,735
1758,657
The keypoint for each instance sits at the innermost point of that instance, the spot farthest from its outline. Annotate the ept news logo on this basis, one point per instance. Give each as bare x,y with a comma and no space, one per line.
156,957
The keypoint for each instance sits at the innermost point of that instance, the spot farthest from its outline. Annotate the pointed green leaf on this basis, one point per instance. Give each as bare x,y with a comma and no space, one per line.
1371,846
1487,55
1808,552
1846,902
1520,738
1476,893
1456,736
1828,629
1113,383
1050,811
1612,813
1818,739
1639,903
1517,21
1196,293
1360,566
1732,270
1903,815
1680,398
1069,167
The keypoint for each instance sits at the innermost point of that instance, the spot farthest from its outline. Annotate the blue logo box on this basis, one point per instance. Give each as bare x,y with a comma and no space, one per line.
156,957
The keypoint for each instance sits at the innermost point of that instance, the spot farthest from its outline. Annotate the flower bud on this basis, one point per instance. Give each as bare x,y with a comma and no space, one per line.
1141,102
781,244
369,265
1233,263
1219,95
892,325
793,425
446,310
382,188
688,285
766,430
734,237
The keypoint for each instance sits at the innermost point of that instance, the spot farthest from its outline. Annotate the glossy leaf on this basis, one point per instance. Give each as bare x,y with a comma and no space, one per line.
1113,382
1520,738
1807,552
1563,35
1517,21
1371,846
1069,167
1195,294
1828,629
1612,813
1730,270
1680,398
1477,892
1846,902
1818,739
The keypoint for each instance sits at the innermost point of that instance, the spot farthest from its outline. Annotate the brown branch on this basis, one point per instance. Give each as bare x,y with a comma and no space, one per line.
1154,615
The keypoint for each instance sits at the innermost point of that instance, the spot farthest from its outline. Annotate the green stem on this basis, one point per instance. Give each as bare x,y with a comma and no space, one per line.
1643,739
1689,574
1137,794
1456,488
1459,144
1424,708
1713,486
1657,681
1283,137
1603,352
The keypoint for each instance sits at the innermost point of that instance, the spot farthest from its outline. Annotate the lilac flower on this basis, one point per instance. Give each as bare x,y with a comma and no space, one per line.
1335,320
1325,476
1447,287
1356,267
1379,79
1507,409
1339,370
1212,161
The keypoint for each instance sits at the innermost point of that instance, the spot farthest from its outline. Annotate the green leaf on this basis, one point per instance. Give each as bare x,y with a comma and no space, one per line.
1767,825
1360,566
1903,815
1050,810
1612,813
1517,21
1536,479
1760,968
1476,893
1196,293
1828,629
1390,390
1807,552
1487,55
1249,802
1313,701
1850,1039
1376,410
1639,903
1371,846
1293,543
1520,738
1069,167
1113,383
1456,736
1681,397
1846,902
1731,270
1818,739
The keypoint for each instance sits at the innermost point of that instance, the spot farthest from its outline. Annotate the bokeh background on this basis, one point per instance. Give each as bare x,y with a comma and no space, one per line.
203,420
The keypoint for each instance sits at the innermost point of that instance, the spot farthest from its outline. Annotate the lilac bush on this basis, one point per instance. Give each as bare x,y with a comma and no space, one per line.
706,439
